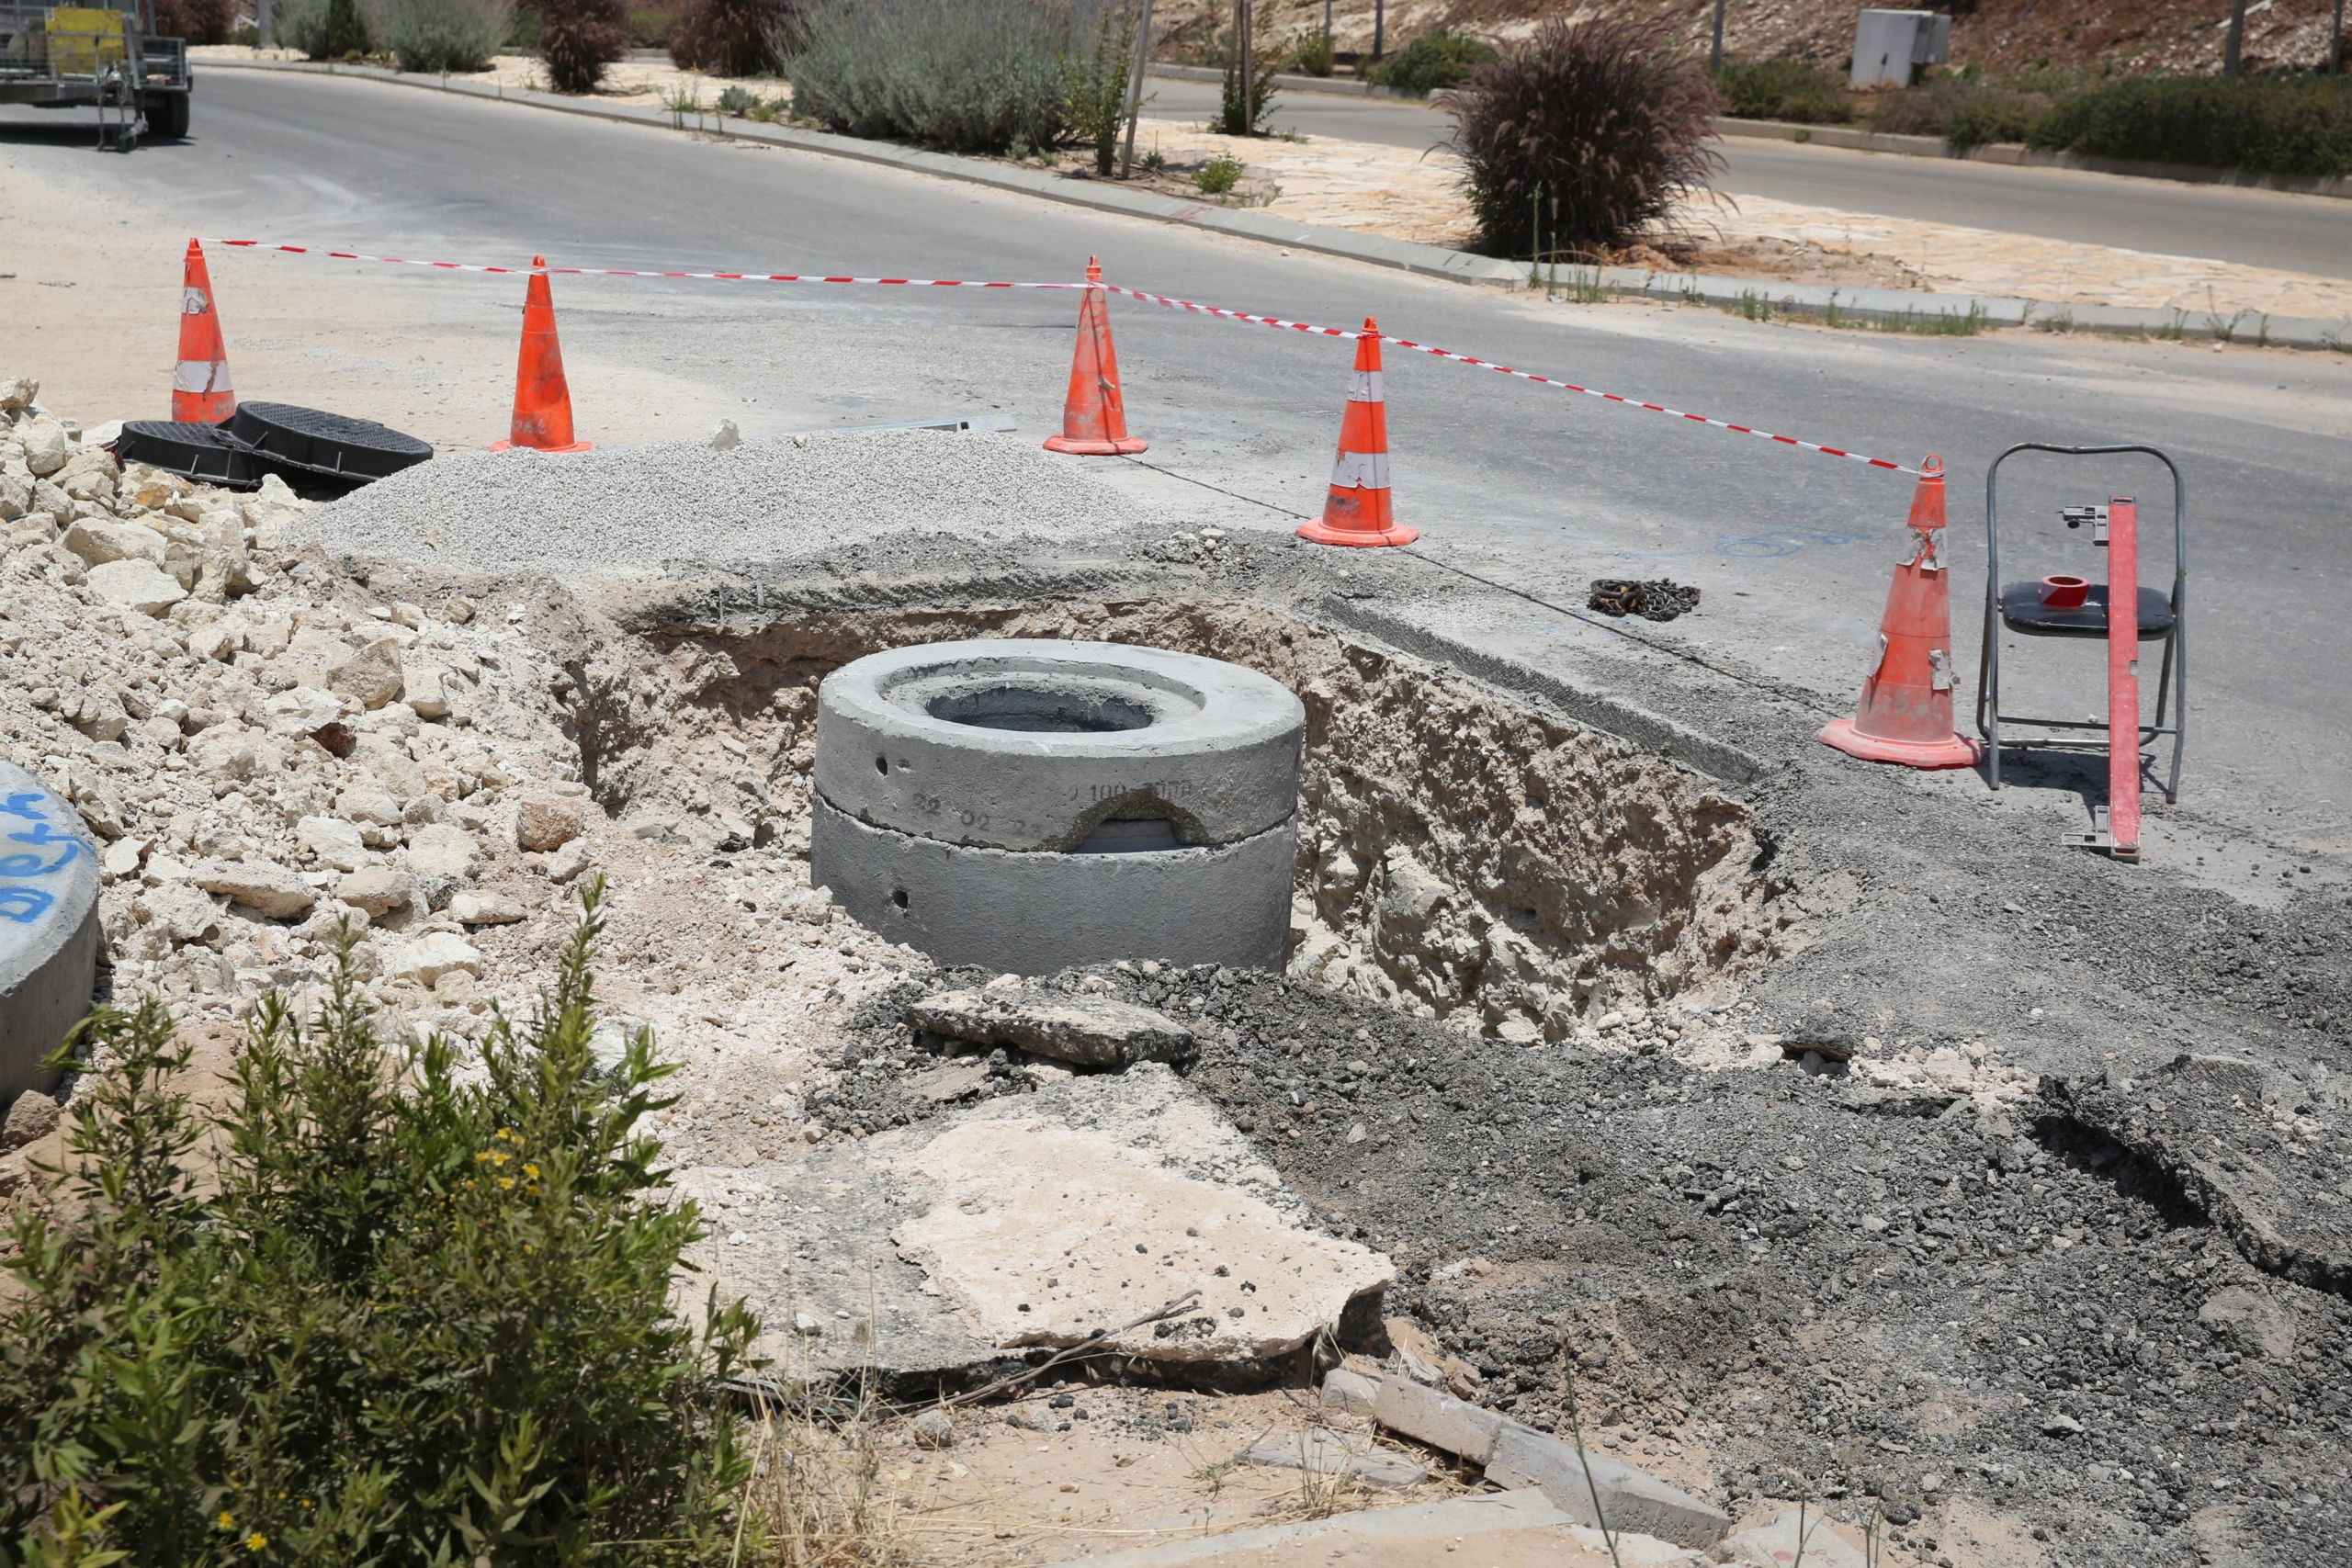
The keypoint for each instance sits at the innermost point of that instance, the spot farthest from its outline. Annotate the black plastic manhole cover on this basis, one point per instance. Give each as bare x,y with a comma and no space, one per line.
321,442
201,452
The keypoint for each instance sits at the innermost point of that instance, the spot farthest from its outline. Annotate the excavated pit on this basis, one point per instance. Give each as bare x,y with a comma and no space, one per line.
1462,856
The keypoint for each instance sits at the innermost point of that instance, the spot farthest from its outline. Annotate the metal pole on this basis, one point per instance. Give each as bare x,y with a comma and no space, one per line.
1135,87
1379,27
2335,43
1249,74
2230,51
1715,59
261,24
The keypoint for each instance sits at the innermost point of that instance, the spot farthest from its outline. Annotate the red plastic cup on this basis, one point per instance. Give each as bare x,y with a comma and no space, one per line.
2065,593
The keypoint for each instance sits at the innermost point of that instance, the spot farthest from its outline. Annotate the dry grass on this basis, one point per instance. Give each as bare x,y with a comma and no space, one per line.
818,1497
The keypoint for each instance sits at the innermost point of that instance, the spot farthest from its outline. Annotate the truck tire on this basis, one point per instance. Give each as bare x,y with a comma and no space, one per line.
168,115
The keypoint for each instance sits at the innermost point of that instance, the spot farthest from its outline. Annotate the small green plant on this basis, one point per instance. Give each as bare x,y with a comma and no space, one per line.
768,111
2061,321
1019,151
1833,314
2220,328
1576,1432
2171,331
1752,306
738,101
1155,161
1094,86
1583,286
347,31
398,1309
1440,59
2262,332
1218,176
683,99
1245,105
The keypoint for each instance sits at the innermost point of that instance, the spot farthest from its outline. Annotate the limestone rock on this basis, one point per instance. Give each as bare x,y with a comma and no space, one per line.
301,710
486,909
225,752
544,821
724,437
444,849
180,911
98,713
381,891
18,395
373,674
1094,1032
98,541
136,585
436,955
260,885
33,1116
333,842
46,449
2254,1325
932,1429
572,860
421,689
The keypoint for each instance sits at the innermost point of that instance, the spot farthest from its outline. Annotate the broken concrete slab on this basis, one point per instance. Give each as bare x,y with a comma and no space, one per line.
1063,1215
1795,1534
1318,1451
1438,1419
1596,1489
1514,1526
1093,1032
915,1253
2200,1125
1349,1394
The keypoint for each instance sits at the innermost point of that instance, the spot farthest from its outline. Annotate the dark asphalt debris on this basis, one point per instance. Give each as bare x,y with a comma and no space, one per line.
1657,599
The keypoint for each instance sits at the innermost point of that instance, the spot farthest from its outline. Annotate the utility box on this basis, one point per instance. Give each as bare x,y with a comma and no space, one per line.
1889,45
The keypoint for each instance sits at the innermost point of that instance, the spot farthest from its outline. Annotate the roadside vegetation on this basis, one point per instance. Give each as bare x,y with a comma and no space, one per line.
2288,124
1582,136
1435,60
393,1307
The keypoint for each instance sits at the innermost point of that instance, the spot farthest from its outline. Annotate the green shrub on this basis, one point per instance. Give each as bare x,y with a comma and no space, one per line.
578,38
1795,90
1235,117
345,34
1218,176
729,37
440,35
738,101
1582,135
416,1312
1431,61
2283,125
969,75
1962,108
302,26
1312,56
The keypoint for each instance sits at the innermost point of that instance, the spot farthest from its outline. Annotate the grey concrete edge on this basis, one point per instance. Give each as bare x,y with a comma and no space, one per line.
1287,82
2017,155
1458,1516
1871,305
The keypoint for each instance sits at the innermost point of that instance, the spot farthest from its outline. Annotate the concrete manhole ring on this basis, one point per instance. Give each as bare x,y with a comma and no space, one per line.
1031,804
1030,744
48,927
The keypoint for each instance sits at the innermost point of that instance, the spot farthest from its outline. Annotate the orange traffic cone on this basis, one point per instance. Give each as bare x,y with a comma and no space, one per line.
1357,510
542,401
200,390
1094,416
1905,712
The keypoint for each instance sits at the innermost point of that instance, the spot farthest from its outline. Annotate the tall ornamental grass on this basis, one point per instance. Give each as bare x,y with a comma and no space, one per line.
1583,136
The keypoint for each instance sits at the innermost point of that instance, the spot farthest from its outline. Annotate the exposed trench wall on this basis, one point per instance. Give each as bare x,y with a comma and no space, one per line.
1461,856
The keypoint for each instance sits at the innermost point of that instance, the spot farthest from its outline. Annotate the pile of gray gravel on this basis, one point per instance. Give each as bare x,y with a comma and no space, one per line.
683,503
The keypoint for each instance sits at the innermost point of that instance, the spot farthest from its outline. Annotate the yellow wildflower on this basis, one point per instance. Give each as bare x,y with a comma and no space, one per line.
506,1181
226,1521
532,1171
255,1541
499,1157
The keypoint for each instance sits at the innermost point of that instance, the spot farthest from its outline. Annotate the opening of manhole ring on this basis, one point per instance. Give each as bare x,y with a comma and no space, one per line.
882,766
900,898
1041,708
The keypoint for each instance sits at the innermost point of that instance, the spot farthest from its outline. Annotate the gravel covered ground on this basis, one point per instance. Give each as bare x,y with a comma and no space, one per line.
679,505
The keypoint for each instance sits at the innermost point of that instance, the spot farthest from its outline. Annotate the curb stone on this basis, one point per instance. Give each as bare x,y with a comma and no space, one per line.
1877,305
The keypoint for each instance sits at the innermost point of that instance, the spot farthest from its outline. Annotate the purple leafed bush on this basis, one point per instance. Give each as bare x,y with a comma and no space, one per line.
729,37
1582,136
579,37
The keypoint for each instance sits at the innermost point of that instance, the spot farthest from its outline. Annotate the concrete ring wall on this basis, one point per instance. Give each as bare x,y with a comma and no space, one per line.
48,927
1040,913
1214,748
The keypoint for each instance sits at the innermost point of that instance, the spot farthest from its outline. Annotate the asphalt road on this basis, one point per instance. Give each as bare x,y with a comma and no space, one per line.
2258,228
1537,488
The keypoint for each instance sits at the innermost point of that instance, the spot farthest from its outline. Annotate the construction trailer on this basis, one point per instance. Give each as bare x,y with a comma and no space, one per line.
104,57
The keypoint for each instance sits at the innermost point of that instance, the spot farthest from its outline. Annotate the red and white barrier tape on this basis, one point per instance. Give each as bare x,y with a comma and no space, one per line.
1164,300
1506,370
623,271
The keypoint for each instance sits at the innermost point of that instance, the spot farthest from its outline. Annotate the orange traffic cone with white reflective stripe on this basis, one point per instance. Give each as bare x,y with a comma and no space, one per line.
1905,712
1356,513
1094,416
200,390
542,400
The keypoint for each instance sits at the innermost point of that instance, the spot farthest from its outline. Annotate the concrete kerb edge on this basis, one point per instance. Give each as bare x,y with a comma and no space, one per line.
1879,306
